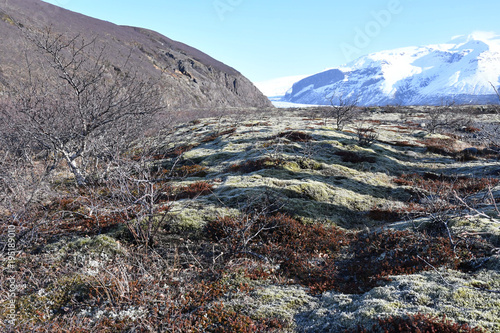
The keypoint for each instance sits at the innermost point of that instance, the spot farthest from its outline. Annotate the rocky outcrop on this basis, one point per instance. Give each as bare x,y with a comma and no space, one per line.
189,77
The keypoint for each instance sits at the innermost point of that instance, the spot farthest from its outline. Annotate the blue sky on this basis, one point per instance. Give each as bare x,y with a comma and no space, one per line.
266,39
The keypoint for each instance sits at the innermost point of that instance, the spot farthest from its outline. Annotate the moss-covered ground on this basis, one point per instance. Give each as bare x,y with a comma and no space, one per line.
263,221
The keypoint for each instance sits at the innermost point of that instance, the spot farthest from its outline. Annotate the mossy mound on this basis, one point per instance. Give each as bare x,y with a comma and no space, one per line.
463,298
191,215
103,245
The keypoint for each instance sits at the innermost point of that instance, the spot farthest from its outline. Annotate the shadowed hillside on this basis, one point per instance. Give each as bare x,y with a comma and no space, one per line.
188,76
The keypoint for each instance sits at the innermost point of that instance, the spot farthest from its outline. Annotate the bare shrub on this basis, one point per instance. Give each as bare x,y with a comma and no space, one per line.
74,105
448,116
443,198
366,135
343,110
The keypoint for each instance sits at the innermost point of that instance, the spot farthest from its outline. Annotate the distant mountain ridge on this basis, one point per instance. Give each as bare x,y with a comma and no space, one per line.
459,71
189,77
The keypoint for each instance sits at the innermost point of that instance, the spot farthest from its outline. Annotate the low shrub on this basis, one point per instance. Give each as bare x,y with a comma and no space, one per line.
439,146
328,258
72,216
471,129
386,215
174,152
466,155
255,165
296,136
352,157
128,299
419,323
374,121
404,144
445,185
472,154
378,255
178,151
65,204
190,171
216,135
193,190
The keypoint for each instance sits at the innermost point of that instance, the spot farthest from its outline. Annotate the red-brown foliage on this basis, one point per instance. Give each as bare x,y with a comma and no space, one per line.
174,152
439,146
444,185
258,124
471,129
170,306
352,157
379,255
215,136
387,215
296,136
374,121
325,258
65,204
255,165
419,323
437,194
194,190
276,230
190,171
69,215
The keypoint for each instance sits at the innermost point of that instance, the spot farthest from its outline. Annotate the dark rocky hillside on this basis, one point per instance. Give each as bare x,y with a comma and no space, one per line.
189,77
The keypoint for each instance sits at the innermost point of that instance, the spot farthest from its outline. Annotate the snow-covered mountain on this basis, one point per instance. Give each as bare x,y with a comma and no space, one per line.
459,71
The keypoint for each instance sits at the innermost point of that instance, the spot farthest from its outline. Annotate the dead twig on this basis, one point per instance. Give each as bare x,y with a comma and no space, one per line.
478,213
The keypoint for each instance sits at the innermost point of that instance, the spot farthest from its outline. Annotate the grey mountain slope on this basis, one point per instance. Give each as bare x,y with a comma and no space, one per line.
190,78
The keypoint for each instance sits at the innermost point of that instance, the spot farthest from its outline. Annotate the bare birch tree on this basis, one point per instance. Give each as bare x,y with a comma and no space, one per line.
343,110
74,104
